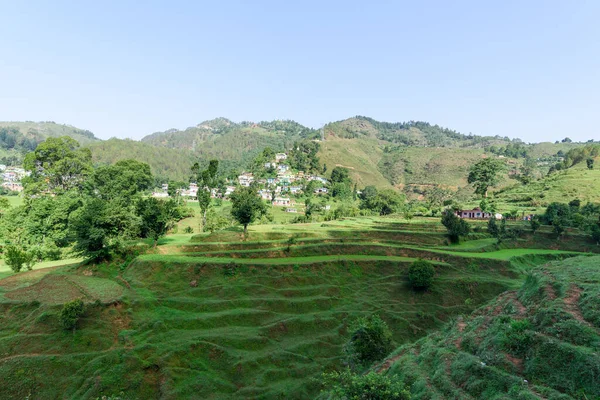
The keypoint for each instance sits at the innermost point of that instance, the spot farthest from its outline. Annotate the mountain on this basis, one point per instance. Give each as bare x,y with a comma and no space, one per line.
17,138
236,142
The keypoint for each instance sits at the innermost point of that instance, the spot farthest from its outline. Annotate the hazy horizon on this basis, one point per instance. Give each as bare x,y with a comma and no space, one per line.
528,71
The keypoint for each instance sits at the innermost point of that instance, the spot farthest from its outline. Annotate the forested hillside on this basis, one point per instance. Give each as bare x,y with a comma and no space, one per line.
17,138
237,143
166,164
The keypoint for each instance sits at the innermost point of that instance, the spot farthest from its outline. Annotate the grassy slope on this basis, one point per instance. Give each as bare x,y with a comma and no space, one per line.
540,342
190,325
360,156
577,182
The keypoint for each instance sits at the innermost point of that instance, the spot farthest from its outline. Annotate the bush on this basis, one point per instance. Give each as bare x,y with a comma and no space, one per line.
372,386
456,226
420,274
371,341
188,229
15,257
70,314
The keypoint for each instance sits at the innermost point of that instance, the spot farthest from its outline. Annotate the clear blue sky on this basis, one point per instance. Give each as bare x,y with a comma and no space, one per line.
528,69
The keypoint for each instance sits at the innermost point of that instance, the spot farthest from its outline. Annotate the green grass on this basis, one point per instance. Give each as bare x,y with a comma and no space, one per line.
216,316
546,334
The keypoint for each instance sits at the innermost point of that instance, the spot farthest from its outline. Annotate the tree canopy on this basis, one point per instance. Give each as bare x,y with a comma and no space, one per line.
484,174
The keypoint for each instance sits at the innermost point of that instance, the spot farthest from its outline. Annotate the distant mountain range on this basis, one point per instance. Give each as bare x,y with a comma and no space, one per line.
379,153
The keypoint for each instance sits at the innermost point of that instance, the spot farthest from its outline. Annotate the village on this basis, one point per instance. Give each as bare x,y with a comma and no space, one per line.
11,178
278,190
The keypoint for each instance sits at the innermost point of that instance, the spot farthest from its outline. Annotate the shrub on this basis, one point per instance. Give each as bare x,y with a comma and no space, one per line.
15,257
456,226
518,337
372,386
420,274
70,314
188,229
371,341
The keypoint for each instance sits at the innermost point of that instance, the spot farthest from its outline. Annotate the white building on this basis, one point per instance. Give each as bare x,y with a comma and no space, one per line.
245,179
280,157
282,201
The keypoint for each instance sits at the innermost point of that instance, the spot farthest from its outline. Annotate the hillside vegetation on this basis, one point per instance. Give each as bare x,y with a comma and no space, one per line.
18,138
165,163
212,316
539,342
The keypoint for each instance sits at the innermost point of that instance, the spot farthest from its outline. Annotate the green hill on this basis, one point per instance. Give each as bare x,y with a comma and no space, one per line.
165,163
237,143
540,342
577,182
18,138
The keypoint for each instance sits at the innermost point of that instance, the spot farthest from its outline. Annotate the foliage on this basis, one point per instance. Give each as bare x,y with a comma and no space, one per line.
93,230
420,274
484,174
246,206
372,386
207,181
15,257
384,202
457,227
340,175
371,341
303,156
71,313
590,163
57,165
157,217
124,179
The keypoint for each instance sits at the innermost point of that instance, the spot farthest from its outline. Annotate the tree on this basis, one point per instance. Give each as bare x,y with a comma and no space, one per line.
340,175
15,257
92,230
596,233
157,217
457,227
590,163
71,313
4,205
124,180
535,224
371,341
207,181
492,227
246,206
484,174
420,274
57,165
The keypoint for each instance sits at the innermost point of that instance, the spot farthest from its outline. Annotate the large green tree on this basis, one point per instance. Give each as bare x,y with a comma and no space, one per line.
207,180
246,206
124,180
485,174
57,165
157,217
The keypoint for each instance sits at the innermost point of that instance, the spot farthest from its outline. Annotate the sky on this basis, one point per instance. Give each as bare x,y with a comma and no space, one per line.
527,69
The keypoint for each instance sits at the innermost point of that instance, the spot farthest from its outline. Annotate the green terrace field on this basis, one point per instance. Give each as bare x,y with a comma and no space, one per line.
538,342
219,316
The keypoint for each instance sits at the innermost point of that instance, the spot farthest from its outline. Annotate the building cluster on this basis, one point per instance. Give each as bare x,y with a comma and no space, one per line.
11,177
275,190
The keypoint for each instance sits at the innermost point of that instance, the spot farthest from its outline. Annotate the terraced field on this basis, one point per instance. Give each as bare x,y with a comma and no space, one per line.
215,316
540,342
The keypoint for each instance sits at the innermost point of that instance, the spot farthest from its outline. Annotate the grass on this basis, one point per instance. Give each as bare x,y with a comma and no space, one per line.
221,316
541,341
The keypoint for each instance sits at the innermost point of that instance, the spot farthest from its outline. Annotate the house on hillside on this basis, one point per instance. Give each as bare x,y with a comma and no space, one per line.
322,190
282,201
280,157
476,213
246,179
291,210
